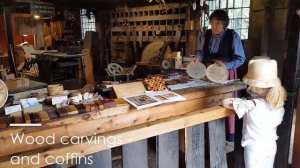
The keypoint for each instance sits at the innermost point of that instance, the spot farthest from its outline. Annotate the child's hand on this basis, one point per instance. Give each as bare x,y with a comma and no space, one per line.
227,103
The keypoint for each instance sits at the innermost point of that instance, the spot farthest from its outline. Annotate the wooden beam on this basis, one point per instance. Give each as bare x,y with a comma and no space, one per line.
126,135
217,143
91,127
167,150
195,147
296,145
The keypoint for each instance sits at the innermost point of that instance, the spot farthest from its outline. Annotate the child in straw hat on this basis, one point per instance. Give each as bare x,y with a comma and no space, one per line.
262,114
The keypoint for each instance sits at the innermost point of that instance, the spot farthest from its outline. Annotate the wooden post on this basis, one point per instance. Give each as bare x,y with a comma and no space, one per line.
9,36
195,147
296,146
135,154
217,144
168,150
265,28
290,84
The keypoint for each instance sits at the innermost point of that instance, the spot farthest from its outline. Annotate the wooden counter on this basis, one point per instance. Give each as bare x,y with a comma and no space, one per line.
130,125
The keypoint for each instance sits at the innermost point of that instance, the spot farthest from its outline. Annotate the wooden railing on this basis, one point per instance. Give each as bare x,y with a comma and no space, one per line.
132,128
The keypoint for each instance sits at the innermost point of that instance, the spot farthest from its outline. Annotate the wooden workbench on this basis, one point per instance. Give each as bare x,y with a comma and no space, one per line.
131,125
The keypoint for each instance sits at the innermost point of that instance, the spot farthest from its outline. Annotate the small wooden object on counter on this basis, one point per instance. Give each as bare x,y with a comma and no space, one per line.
94,107
35,118
15,114
71,109
109,103
18,119
87,107
80,108
100,104
52,114
4,121
44,116
27,118
56,89
62,112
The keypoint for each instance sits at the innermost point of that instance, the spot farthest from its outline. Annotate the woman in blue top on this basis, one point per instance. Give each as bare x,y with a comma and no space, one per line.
222,46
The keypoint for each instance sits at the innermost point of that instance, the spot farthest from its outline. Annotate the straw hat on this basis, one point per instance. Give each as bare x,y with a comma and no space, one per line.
3,93
262,73
217,73
196,70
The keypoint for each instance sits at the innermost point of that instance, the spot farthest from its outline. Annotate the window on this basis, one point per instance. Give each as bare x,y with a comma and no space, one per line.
238,11
88,22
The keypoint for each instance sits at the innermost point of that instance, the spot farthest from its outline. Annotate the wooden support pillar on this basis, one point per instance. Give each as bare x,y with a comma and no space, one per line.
195,147
135,154
217,144
265,28
168,150
296,146
9,37
290,83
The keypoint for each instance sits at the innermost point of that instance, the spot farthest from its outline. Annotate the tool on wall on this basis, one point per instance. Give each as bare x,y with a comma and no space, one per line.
159,58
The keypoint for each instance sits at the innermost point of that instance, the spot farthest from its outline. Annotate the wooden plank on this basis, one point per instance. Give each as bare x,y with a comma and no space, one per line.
129,89
127,135
151,18
148,28
167,152
135,154
99,159
296,146
88,67
217,144
147,39
195,147
91,127
158,7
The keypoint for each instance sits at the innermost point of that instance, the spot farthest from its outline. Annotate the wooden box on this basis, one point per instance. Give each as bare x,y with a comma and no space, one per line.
17,83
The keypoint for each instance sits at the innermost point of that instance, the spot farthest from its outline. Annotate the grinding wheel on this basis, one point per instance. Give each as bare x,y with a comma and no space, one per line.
152,50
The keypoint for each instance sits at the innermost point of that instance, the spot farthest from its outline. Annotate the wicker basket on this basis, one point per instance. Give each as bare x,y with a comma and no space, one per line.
56,89
217,73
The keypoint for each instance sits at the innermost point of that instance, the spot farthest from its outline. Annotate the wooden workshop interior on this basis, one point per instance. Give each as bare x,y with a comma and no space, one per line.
112,83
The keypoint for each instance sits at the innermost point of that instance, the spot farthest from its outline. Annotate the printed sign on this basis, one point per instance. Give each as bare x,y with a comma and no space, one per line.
12,109
42,8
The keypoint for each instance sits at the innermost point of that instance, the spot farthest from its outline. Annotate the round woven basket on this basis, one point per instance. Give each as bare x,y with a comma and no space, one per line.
196,70
3,93
217,73
56,89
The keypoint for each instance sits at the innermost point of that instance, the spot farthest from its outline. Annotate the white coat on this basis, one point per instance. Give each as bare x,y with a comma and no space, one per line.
259,131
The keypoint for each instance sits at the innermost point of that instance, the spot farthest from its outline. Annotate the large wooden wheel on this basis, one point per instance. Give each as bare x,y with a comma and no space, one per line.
114,68
3,93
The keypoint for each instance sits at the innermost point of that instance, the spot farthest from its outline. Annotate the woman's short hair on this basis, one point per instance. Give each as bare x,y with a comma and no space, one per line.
220,14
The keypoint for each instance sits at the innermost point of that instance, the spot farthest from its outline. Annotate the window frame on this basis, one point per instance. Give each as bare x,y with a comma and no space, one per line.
87,24
217,4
